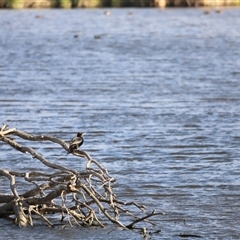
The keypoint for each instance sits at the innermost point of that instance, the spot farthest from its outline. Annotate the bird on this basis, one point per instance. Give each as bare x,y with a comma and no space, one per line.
76,142
218,11
206,11
107,13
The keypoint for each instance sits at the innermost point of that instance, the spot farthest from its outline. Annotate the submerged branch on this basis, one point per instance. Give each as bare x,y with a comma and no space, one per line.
74,195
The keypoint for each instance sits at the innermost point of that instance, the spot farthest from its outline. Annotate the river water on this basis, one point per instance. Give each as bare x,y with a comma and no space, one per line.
156,91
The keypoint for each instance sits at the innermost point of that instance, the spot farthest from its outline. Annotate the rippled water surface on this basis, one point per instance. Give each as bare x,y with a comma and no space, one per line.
156,91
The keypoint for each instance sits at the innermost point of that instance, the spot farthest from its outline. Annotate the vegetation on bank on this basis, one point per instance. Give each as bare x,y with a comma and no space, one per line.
18,4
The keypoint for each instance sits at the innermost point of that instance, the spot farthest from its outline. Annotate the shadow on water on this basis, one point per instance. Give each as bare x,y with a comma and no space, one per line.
157,95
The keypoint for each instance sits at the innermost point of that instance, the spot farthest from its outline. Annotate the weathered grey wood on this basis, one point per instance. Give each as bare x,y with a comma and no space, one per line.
61,190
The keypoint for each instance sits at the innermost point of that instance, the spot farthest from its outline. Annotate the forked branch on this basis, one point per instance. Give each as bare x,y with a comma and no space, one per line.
76,196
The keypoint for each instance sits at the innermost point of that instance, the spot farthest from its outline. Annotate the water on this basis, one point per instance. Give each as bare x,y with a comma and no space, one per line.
157,93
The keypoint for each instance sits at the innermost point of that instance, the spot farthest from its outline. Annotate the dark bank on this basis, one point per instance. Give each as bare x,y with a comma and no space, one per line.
19,4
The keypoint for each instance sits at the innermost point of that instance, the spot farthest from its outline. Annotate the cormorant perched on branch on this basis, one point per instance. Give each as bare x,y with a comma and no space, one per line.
76,142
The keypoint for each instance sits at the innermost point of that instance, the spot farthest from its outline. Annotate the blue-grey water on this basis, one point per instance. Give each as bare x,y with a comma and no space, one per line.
156,91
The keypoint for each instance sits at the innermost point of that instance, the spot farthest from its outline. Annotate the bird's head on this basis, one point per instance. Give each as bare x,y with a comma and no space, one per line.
80,134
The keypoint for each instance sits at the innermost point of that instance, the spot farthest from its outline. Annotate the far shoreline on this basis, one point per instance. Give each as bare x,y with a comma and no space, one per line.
74,4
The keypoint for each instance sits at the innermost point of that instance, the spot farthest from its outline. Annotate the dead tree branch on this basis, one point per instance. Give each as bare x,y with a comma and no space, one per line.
76,196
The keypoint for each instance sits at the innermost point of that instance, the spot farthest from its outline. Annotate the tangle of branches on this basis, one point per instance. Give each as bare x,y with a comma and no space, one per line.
84,198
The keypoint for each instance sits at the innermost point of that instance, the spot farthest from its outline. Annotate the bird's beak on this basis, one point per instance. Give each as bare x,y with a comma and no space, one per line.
83,133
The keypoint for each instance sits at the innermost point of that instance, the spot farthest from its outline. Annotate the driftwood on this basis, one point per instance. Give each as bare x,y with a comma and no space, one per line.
79,198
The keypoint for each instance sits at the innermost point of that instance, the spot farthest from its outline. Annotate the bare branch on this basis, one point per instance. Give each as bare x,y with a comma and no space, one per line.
76,196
